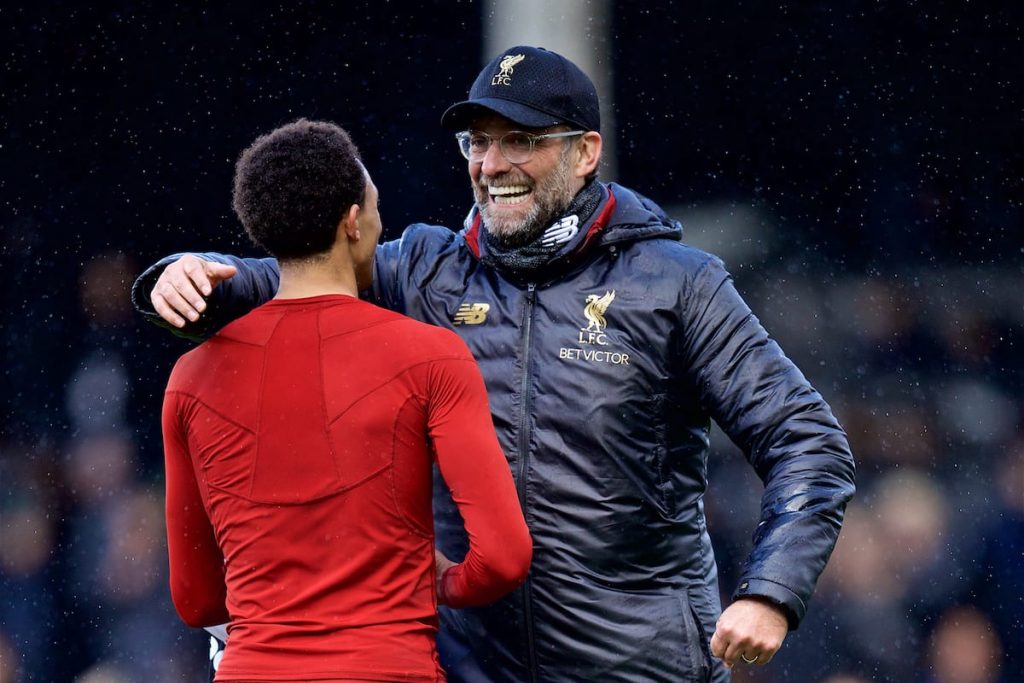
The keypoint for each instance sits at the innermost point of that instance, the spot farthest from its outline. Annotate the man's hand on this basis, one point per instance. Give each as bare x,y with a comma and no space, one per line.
179,292
750,630
442,564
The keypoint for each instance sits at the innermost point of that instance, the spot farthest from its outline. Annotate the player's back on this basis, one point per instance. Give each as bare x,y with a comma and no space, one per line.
306,422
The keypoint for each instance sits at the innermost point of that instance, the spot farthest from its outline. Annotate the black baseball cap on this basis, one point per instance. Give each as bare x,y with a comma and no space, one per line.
533,87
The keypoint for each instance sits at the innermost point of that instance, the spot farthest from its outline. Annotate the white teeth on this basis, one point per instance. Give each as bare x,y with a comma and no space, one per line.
507,190
508,194
509,200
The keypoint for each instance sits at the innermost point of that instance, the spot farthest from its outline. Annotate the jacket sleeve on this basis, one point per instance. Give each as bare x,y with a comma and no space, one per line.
408,262
476,471
787,432
254,284
196,562
386,291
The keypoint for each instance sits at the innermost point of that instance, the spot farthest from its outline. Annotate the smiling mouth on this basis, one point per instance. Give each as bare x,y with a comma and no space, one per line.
507,195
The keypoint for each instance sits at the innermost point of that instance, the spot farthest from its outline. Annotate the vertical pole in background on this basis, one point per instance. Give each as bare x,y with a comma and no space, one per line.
577,29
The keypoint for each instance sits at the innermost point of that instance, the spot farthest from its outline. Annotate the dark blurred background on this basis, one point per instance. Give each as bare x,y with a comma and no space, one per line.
858,165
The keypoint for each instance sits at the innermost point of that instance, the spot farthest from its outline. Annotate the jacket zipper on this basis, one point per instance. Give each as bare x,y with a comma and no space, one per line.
524,455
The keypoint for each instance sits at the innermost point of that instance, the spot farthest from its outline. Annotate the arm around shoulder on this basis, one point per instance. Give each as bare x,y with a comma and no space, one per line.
402,263
194,295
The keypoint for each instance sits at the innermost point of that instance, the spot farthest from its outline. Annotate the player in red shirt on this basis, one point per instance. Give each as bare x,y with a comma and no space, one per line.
299,444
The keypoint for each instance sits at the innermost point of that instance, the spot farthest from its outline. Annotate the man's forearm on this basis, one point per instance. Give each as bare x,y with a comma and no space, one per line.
255,283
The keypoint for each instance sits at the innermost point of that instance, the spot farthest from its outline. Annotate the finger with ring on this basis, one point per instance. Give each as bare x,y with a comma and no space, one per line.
749,661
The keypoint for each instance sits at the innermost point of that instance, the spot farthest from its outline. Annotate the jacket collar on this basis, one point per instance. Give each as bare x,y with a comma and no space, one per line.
622,216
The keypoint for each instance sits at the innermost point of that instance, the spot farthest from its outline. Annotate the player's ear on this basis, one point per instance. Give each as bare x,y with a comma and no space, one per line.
349,223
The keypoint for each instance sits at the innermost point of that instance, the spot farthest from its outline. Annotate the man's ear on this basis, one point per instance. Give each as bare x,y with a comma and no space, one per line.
350,223
588,154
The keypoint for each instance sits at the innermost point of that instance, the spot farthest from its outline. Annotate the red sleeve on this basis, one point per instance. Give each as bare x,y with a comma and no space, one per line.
196,562
477,473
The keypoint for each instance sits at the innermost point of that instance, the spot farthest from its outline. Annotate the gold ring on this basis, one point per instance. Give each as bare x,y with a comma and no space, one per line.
749,661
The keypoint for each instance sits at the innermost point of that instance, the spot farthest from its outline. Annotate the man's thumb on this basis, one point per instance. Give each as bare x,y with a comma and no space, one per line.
219,271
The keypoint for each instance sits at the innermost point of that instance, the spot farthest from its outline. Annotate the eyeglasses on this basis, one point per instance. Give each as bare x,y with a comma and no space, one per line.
516,146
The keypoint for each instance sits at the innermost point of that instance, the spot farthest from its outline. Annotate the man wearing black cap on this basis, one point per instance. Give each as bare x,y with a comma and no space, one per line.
607,347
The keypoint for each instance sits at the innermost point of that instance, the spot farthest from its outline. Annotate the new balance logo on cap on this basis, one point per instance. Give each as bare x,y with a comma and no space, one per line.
471,314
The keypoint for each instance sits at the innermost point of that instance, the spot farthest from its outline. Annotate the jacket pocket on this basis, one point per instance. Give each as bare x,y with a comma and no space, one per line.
697,645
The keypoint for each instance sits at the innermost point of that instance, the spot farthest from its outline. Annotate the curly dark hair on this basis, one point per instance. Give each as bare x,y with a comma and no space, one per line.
294,185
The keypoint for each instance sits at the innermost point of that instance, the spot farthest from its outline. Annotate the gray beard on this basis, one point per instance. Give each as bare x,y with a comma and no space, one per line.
524,231
525,259
550,202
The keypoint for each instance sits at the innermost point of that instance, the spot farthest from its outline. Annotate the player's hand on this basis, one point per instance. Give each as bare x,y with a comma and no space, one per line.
442,564
750,630
179,292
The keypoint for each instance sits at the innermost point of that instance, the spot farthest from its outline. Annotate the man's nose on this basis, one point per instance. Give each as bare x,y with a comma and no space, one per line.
494,162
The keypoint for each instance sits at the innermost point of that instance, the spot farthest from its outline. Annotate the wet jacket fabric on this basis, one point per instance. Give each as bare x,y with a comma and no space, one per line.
603,372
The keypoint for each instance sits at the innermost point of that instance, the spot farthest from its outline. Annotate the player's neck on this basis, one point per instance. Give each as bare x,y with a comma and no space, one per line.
330,275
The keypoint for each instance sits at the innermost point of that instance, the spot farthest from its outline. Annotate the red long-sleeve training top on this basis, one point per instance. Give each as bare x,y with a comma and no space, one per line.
299,444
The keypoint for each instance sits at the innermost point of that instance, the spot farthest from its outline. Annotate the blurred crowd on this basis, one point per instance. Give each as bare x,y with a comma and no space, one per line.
926,583
83,566
922,366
